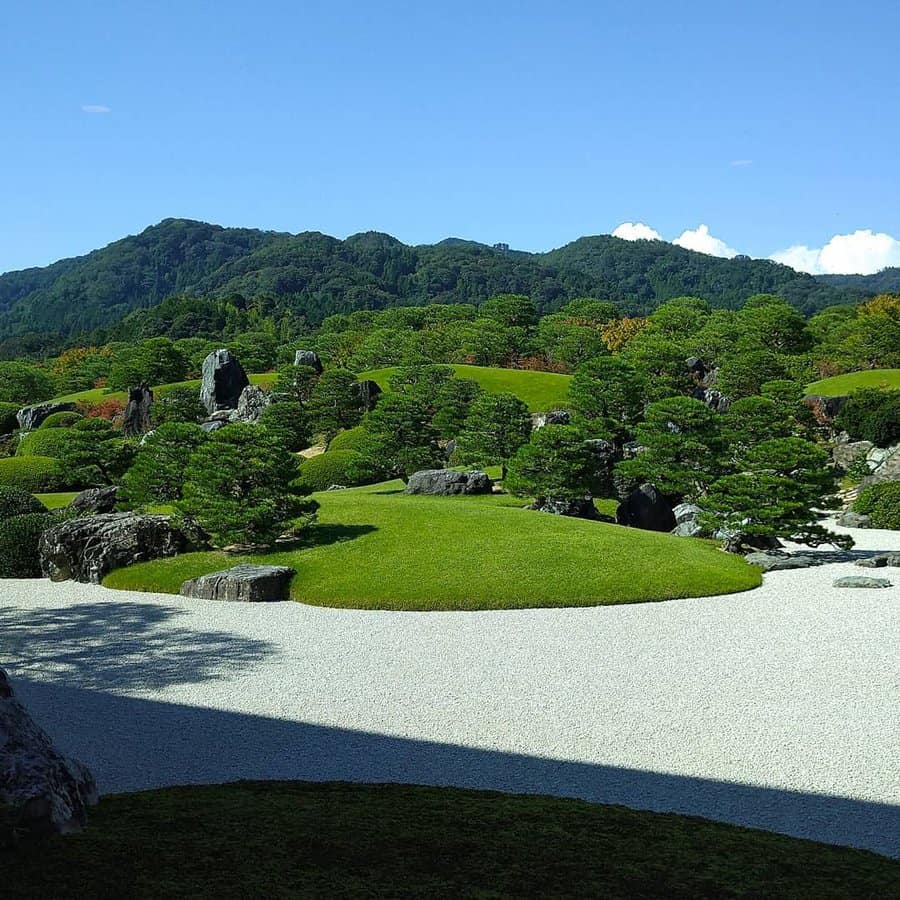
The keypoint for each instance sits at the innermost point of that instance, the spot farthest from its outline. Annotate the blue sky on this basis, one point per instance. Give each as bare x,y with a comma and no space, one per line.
775,124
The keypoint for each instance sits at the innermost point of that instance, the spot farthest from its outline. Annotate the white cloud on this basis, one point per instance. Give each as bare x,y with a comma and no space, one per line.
95,108
861,253
636,231
703,242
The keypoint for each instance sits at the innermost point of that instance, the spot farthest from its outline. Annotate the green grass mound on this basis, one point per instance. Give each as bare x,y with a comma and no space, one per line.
51,442
539,390
841,385
377,548
320,472
31,473
349,439
296,839
98,395
64,419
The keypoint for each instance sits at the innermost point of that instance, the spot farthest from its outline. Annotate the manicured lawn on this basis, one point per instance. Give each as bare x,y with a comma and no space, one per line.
97,395
296,839
840,385
56,501
540,390
377,548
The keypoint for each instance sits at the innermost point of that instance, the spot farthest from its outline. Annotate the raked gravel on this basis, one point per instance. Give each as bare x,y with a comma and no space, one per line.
778,708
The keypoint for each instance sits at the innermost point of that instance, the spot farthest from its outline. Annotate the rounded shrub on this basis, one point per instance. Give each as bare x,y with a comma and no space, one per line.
65,419
881,503
51,442
35,474
8,420
16,502
333,467
19,536
349,439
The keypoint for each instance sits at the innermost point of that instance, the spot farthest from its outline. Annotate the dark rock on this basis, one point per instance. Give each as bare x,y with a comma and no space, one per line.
244,583
553,417
777,562
825,409
861,581
579,508
646,508
854,520
41,791
224,379
252,402
30,417
95,500
136,418
687,520
446,482
367,394
308,358
88,549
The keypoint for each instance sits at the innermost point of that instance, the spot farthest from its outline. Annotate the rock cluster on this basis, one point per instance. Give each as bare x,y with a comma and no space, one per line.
704,378
244,583
880,561
883,463
446,482
825,409
30,417
224,379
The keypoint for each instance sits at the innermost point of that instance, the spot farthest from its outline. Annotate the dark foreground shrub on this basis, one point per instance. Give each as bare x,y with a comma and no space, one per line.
16,502
881,502
19,536
35,474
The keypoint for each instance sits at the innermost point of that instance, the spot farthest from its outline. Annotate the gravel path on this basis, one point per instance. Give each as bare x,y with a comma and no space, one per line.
778,708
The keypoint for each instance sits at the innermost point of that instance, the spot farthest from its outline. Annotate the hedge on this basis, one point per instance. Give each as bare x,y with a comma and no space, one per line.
320,472
881,503
64,419
8,420
51,442
16,502
349,439
35,474
19,538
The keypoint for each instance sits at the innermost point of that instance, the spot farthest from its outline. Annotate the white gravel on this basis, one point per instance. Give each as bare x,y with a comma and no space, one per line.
778,708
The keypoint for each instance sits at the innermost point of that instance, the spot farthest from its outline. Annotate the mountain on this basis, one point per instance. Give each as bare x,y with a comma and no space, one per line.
884,282
314,275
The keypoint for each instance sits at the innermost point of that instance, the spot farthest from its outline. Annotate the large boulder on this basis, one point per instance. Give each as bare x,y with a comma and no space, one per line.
446,482
577,508
252,402
846,452
646,508
245,583
687,520
30,417
136,418
95,500
88,549
308,358
224,379
366,394
41,791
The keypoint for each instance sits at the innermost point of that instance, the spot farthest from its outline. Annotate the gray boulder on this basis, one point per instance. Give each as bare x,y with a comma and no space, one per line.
366,393
252,402
136,418
777,562
308,358
687,520
553,417
446,482
244,583
213,425
41,791
223,381
861,581
846,452
30,417
646,508
579,508
95,500
854,520
88,549
881,561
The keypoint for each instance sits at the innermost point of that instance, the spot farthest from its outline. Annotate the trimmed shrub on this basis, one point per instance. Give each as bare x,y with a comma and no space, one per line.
61,420
872,415
51,442
349,439
19,536
333,467
35,474
16,502
8,420
881,503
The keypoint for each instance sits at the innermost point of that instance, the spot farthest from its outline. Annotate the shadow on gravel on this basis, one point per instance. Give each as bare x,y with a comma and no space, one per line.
134,744
119,645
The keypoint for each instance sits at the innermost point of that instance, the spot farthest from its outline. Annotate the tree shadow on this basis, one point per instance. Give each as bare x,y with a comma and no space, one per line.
120,645
322,535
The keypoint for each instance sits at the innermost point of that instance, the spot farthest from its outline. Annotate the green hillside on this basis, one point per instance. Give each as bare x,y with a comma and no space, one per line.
841,385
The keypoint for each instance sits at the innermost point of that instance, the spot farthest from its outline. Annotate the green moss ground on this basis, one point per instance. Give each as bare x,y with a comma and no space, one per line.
294,839
841,385
377,548
540,390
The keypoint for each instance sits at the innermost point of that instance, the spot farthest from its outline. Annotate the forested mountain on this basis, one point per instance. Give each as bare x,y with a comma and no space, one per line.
314,275
884,282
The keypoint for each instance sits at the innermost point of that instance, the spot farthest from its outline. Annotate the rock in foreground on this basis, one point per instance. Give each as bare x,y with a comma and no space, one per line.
88,549
245,583
446,482
41,791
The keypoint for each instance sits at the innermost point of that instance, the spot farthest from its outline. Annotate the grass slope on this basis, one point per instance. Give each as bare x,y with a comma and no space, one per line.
58,500
295,839
377,548
97,395
840,385
540,390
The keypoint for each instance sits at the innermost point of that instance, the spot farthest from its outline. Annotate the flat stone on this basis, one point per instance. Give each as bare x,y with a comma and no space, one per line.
861,581
776,562
872,562
245,584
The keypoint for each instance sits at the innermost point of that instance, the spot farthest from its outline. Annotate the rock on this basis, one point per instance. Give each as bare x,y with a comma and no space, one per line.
845,452
308,358
705,378
854,520
30,417
825,408
715,400
336,487
777,562
448,448
212,425
252,402
41,791
244,583
88,549
446,482
223,381
861,581
579,508
136,418
95,500
872,562
687,522
367,394
646,508
553,417
884,465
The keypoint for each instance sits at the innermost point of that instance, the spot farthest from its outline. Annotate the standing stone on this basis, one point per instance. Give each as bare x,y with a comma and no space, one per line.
41,791
245,583
646,508
223,381
136,419
308,358
367,394
30,417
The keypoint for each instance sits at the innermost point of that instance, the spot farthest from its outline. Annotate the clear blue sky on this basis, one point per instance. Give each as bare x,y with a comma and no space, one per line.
775,123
